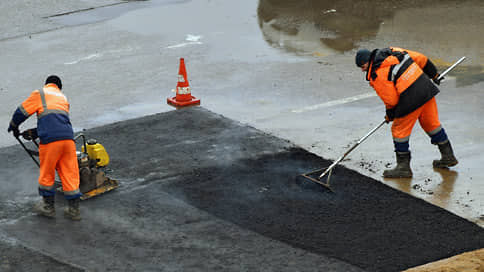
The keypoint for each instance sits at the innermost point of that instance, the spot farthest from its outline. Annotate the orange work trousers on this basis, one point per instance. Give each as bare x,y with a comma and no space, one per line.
428,117
60,156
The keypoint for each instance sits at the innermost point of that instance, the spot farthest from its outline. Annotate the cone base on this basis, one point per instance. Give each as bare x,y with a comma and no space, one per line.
178,104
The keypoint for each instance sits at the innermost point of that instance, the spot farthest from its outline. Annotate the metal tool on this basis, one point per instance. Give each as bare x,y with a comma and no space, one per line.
329,169
91,161
28,135
450,68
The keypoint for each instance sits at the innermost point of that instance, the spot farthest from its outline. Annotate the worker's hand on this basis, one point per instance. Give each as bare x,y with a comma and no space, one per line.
436,79
15,130
30,134
390,115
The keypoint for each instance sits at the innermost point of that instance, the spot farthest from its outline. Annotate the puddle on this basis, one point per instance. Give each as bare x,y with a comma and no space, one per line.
445,30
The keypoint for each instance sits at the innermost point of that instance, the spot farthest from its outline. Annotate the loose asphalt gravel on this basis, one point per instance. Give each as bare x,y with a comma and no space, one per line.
201,192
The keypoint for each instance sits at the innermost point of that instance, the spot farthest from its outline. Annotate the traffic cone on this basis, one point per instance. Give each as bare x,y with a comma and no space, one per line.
183,96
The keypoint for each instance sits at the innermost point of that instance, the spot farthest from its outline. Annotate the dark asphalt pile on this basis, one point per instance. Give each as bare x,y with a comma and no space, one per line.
200,192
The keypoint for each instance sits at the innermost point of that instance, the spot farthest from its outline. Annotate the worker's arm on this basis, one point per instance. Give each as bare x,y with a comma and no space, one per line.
387,92
31,105
385,89
14,128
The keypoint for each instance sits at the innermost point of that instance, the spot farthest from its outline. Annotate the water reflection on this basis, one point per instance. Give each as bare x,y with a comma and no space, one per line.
439,190
446,187
336,25
444,30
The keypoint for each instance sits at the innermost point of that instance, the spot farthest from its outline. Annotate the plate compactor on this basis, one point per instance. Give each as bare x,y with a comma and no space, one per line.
92,160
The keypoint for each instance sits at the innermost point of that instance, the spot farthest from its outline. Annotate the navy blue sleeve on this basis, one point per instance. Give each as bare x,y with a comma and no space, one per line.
18,117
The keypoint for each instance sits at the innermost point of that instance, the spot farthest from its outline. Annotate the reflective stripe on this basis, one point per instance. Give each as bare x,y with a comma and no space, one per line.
42,97
47,188
435,131
183,90
44,105
52,111
51,92
22,109
397,67
75,192
13,124
401,140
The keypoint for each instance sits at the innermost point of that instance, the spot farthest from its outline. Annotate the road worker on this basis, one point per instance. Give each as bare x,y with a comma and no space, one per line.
402,79
57,149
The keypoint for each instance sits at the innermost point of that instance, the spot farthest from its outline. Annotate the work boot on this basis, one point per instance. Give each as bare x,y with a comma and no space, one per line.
448,159
402,170
46,207
72,211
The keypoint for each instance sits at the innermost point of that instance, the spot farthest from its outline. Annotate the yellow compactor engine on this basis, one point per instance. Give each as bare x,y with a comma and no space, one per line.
96,152
92,161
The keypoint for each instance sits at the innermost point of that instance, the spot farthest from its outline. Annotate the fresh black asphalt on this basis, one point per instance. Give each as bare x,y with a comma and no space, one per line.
200,192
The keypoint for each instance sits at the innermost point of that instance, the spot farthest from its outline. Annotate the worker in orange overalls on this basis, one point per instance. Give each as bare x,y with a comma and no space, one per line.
401,78
57,149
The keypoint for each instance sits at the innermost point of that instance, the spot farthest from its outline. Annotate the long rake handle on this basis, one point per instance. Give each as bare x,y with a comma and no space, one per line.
451,67
330,168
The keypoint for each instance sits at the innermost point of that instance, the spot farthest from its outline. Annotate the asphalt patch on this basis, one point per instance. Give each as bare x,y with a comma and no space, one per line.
180,170
362,222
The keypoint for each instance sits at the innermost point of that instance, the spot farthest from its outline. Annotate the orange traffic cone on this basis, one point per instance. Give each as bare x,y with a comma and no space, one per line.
183,93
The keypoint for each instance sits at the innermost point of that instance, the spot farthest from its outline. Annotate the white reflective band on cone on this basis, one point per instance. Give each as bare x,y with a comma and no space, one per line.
183,90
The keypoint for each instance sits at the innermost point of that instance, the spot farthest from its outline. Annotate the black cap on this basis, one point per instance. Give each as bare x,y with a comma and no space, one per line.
362,57
54,79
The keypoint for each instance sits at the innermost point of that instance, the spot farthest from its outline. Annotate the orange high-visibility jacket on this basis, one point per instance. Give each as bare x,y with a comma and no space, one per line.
422,61
398,79
52,110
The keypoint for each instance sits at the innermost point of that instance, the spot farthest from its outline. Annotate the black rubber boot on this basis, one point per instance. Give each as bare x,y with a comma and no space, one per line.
46,207
402,170
72,211
448,159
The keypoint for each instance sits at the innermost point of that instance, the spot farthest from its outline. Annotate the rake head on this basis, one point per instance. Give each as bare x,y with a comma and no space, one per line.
315,176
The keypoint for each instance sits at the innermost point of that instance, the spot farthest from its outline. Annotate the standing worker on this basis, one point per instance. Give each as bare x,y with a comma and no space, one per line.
57,149
401,78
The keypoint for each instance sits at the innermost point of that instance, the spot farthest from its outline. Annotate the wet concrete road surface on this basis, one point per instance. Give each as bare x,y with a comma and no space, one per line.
283,67
224,196
259,66
445,32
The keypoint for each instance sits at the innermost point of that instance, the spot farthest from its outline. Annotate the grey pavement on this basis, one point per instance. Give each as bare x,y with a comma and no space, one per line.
124,65
248,67
201,192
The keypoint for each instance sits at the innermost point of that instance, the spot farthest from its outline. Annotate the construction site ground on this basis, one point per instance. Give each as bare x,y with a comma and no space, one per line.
200,192
218,187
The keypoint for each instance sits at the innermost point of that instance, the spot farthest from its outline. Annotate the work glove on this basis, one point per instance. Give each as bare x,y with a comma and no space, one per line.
15,130
436,79
390,115
30,134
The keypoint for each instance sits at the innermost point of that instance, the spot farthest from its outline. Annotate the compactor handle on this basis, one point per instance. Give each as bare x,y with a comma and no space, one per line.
83,141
